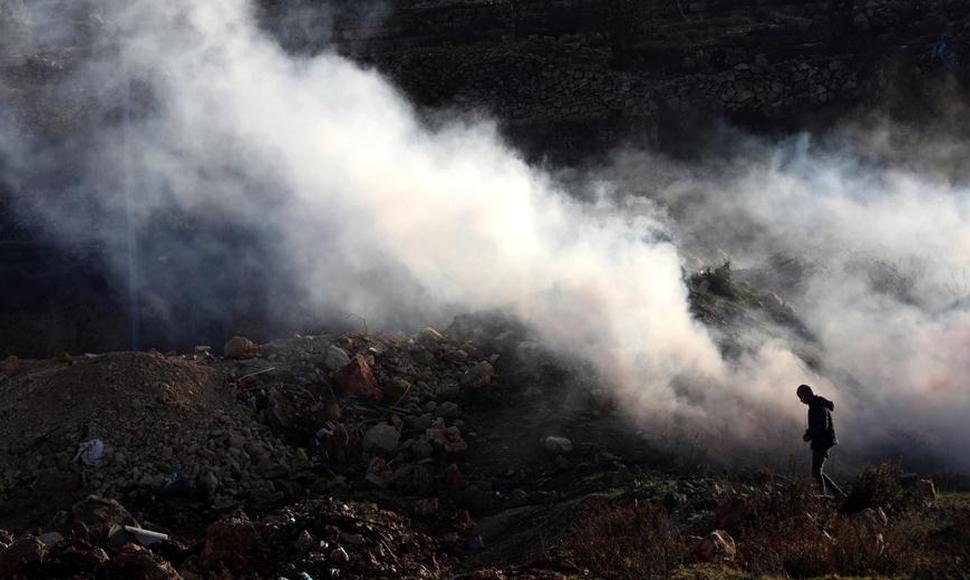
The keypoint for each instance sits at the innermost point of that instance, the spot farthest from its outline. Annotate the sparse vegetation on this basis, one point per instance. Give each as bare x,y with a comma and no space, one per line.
725,303
877,486
785,531
797,534
718,280
628,540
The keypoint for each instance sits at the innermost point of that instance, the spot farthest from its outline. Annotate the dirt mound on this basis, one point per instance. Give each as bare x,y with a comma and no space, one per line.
150,421
101,390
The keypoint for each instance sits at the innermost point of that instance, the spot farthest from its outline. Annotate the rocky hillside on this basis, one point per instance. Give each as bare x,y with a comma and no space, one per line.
569,77
472,451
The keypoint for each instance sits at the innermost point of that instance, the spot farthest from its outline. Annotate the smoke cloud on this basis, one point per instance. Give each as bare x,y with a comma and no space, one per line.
358,206
874,260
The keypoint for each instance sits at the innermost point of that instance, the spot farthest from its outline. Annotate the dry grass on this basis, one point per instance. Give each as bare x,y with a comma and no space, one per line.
789,532
628,540
824,543
876,486
797,534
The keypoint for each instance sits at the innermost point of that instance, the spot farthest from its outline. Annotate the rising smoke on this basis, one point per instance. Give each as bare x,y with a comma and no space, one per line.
357,206
874,258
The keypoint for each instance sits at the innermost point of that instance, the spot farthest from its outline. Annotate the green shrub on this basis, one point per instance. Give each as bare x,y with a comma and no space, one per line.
717,280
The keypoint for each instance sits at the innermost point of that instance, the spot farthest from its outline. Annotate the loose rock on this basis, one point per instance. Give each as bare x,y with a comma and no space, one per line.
357,380
478,376
336,358
240,347
558,444
20,556
381,437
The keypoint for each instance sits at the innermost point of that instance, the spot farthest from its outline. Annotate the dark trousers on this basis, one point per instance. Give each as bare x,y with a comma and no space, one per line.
825,482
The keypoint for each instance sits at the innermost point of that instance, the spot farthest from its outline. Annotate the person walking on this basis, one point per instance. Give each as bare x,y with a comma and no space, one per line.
821,435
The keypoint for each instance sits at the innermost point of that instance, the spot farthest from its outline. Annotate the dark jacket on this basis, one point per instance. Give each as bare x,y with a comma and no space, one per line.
821,431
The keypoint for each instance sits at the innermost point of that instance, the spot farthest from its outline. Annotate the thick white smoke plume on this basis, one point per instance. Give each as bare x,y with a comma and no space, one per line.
876,262
369,211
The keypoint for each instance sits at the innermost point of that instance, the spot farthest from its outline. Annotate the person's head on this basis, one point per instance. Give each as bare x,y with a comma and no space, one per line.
804,393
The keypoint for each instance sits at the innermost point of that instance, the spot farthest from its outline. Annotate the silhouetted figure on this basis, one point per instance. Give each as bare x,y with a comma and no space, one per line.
821,433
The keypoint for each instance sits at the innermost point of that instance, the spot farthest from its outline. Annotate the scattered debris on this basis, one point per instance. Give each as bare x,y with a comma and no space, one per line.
146,537
90,452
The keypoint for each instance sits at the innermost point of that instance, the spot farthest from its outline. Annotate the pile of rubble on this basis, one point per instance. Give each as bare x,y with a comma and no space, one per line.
264,424
128,424
314,539
376,412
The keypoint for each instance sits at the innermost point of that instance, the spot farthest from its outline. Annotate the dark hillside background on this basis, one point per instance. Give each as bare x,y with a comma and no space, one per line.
567,81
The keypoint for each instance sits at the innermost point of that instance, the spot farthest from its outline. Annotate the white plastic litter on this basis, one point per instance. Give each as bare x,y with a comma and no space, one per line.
90,452
146,537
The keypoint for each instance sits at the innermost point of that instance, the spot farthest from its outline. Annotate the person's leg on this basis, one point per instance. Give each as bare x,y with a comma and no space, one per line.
830,485
818,460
